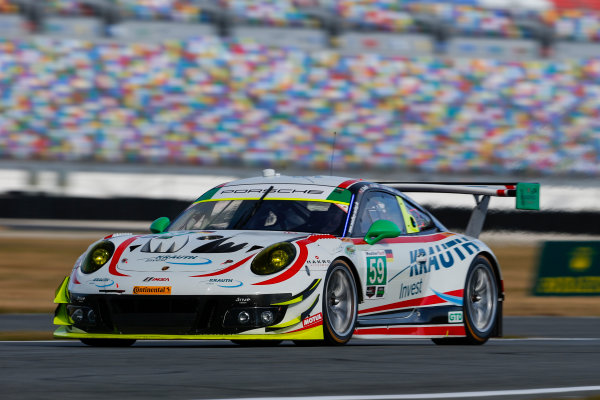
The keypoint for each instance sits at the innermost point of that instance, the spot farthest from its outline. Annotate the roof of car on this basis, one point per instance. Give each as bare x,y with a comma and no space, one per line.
320,188
320,180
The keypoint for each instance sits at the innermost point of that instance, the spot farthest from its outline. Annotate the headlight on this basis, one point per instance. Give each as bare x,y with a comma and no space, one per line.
273,259
97,257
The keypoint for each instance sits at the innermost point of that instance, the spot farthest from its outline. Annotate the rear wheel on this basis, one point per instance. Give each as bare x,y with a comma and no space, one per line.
340,304
480,304
108,342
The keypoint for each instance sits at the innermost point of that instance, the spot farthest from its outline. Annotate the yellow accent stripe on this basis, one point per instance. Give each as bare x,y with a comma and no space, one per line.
407,217
61,295
61,316
286,324
316,283
299,298
292,301
267,199
315,333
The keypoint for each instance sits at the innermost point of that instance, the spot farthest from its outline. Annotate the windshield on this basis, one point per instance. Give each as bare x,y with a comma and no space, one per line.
268,215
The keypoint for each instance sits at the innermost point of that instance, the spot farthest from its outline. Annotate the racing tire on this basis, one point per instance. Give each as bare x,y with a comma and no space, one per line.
108,342
480,305
257,343
340,304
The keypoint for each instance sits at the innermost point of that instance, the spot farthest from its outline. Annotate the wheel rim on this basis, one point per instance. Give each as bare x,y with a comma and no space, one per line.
481,298
341,301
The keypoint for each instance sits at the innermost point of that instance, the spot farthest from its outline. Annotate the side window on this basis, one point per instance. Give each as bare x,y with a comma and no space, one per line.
376,206
423,220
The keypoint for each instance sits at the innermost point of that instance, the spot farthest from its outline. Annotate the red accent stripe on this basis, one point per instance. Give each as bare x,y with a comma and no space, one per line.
347,184
454,330
224,271
306,327
293,270
409,239
74,278
423,301
112,268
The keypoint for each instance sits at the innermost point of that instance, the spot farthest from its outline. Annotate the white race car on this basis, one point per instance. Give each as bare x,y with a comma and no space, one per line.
274,258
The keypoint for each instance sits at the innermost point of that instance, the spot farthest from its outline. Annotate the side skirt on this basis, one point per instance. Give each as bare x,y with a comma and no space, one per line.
409,332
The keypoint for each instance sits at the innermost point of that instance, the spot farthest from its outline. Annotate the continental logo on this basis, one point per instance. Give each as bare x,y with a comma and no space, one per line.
152,290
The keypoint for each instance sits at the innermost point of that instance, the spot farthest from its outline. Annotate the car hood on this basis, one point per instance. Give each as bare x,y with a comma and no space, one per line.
195,252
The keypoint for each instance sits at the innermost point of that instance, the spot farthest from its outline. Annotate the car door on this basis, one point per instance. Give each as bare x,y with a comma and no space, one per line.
388,277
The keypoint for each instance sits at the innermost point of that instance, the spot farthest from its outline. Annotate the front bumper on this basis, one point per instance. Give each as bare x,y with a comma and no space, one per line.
173,315
123,316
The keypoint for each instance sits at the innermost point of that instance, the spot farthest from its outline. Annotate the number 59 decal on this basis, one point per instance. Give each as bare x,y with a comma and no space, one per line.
376,269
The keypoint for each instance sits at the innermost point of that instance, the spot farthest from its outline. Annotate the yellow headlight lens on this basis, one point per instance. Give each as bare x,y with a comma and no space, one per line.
99,255
273,259
279,258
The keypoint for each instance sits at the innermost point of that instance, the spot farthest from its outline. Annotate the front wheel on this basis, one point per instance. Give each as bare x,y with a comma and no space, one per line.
480,304
340,304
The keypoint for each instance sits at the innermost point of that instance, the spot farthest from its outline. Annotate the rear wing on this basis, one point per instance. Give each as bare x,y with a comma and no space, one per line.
527,196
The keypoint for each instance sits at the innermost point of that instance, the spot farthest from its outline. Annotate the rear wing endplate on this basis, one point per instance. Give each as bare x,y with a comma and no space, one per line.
527,196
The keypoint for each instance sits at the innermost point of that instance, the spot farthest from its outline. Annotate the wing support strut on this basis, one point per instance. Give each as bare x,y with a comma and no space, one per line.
475,225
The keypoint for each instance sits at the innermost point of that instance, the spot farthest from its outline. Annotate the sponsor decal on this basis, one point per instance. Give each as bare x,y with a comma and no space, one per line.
313,320
375,292
350,250
242,300
153,279
179,260
261,191
224,282
455,317
161,290
318,262
102,282
371,291
410,290
439,256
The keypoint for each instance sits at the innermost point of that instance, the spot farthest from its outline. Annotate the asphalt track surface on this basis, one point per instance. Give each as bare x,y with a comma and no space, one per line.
543,358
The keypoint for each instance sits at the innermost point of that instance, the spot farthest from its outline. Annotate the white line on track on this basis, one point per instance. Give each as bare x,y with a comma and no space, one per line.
542,339
452,395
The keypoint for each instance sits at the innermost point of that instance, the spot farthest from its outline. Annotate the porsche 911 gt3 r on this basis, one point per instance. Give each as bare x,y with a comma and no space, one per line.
275,258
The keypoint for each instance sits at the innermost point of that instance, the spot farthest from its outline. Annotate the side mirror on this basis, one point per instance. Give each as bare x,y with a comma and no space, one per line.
382,229
160,225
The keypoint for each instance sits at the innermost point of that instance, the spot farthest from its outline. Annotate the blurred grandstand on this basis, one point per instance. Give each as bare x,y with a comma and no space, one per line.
487,86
